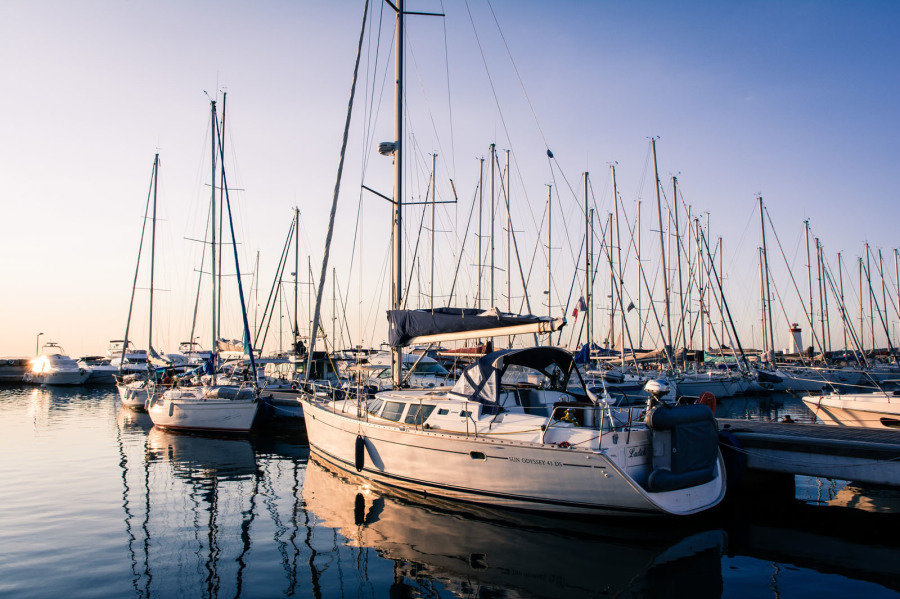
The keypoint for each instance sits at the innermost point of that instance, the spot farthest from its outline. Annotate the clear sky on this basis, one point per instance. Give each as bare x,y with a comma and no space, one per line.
793,100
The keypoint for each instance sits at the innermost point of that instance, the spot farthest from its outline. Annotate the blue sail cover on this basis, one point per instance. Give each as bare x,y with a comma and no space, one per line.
408,324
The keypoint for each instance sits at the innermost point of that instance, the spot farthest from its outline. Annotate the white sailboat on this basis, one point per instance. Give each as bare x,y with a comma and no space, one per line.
209,405
518,429
135,387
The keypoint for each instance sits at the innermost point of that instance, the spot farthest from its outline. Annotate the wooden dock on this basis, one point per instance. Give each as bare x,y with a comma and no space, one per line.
847,453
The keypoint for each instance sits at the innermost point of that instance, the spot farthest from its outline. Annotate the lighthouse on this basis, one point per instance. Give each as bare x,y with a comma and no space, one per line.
796,339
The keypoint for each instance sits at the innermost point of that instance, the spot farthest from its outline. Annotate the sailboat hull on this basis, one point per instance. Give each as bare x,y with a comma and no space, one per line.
196,409
500,472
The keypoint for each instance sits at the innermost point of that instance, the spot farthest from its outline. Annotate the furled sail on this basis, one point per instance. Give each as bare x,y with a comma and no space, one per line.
447,324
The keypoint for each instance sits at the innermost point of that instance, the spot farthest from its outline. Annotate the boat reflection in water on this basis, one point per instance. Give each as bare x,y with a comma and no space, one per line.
211,459
512,555
174,482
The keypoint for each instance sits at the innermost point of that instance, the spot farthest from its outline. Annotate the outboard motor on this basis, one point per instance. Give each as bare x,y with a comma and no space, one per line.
657,389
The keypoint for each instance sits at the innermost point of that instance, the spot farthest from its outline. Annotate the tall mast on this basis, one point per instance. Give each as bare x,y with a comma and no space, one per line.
213,224
506,186
897,281
619,282
823,300
588,321
887,319
493,216
812,322
678,258
433,203
640,276
841,284
765,266
480,228
871,306
296,326
152,258
762,304
549,250
862,322
221,151
396,256
701,291
662,252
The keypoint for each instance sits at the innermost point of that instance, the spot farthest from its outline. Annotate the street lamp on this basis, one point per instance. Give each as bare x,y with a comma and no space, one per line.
37,345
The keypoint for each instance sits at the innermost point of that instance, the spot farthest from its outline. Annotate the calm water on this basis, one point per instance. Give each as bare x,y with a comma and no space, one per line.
95,502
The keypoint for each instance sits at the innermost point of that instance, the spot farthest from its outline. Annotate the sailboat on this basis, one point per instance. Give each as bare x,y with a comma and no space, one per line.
136,388
212,405
518,429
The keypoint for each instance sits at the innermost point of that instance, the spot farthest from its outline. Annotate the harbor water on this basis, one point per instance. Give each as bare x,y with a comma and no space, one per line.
96,502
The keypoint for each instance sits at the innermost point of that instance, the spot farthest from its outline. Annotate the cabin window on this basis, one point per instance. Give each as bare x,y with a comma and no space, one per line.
392,410
477,455
418,414
465,414
374,406
443,412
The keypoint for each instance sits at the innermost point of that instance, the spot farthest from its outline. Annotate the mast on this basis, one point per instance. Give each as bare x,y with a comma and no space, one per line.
433,203
871,307
812,322
588,321
662,252
152,259
397,246
640,276
506,182
701,291
619,281
678,258
762,303
296,323
549,238
213,227
480,227
841,285
493,216
221,151
765,268
862,322
884,297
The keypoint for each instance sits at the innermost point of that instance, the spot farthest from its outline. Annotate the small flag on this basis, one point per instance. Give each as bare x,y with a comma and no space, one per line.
579,306
630,307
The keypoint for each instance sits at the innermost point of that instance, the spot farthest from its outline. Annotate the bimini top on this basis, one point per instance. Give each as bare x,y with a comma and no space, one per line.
481,380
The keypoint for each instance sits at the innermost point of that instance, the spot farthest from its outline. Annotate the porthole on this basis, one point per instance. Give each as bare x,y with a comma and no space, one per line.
477,455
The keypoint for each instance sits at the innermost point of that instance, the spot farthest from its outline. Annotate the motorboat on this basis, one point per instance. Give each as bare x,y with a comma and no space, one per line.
124,356
13,369
868,410
54,367
101,370
519,429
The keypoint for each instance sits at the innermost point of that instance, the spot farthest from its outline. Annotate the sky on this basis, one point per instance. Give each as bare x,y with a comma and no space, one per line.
794,101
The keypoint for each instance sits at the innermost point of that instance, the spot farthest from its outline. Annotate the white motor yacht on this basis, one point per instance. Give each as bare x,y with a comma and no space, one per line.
102,372
868,410
54,367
